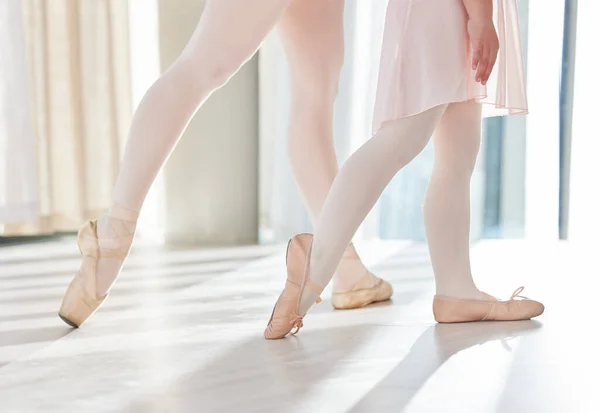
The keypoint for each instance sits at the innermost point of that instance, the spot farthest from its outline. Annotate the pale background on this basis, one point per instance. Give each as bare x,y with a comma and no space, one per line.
72,72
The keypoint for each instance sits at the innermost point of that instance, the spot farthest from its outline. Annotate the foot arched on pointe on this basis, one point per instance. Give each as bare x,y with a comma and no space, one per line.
286,315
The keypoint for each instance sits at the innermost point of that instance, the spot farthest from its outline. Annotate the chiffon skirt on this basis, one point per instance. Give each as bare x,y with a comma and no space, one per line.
426,55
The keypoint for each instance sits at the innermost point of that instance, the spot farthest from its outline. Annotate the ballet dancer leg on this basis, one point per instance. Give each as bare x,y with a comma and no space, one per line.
312,32
357,187
447,201
447,223
447,217
204,65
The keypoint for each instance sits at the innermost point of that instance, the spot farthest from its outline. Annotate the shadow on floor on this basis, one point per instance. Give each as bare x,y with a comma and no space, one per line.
37,335
431,350
535,384
259,375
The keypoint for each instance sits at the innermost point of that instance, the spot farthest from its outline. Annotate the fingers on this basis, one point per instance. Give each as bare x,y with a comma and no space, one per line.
486,61
490,67
482,68
477,53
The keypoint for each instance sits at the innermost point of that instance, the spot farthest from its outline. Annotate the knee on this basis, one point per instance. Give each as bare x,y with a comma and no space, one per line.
467,150
217,75
457,159
203,77
470,151
317,81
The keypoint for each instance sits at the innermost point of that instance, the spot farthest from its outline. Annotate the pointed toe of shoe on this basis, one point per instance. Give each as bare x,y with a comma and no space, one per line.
77,305
270,335
537,308
387,290
518,310
76,310
276,330
457,310
542,309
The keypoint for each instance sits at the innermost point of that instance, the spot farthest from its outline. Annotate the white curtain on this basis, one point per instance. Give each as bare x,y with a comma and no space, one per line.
69,100
19,198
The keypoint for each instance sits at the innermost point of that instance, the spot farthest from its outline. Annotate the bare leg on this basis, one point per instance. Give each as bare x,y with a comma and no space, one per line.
359,184
313,37
447,203
228,34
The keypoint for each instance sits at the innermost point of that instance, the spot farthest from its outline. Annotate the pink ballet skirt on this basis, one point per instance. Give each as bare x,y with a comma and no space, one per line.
426,55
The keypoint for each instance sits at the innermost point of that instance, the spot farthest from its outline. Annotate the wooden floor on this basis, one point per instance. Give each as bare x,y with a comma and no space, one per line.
182,332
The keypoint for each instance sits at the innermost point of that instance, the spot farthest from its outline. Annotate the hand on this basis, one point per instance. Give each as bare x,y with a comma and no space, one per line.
485,45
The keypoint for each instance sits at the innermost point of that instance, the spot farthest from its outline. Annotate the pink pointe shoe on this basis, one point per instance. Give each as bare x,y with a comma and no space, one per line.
457,310
81,299
285,315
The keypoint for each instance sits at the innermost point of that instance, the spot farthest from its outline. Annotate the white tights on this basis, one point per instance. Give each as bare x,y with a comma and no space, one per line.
367,172
312,34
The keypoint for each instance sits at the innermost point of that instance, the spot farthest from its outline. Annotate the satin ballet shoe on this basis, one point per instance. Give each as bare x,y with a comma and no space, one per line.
81,299
364,292
457,310
285,316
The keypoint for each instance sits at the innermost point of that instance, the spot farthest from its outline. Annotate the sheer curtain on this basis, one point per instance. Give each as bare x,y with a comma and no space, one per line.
70,106
19,198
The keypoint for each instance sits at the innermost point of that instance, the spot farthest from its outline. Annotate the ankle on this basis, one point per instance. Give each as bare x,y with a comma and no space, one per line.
107,225
307,300
118,221
350,253
463,292
122,213
352,274
339,284
114,234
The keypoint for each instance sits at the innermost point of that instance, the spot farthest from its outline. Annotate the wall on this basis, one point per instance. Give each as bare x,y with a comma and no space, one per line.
210,183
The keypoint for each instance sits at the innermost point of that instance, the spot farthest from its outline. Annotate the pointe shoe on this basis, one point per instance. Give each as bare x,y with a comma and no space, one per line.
456,310
363,293
81,299
285,315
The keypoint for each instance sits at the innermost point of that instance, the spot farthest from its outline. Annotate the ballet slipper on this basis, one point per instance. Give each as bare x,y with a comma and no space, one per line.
457,310
285,316
363,292
81,299
361,295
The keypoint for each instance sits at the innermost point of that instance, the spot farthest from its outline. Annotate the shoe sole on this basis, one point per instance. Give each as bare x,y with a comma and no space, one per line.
66,320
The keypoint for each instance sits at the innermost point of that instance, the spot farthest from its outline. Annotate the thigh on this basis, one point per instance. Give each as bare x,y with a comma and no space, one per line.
457,137
230,31
312,32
